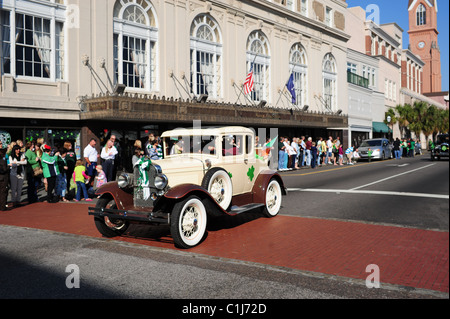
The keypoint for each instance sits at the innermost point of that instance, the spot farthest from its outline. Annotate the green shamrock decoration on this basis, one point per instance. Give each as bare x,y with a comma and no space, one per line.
251,173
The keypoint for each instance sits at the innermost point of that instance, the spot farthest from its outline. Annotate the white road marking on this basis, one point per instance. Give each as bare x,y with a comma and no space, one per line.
391,177
352,191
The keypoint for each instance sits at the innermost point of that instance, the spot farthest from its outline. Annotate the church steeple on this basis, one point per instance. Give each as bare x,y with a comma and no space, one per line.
423,41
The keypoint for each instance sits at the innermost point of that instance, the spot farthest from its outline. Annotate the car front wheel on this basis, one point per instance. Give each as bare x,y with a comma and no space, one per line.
273,199
188,222
109,227
218,183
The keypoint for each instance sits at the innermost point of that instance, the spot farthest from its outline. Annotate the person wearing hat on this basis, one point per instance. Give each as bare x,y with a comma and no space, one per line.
51,170
4,177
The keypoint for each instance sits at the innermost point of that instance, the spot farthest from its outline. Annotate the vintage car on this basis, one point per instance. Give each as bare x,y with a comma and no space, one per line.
205,173
441,148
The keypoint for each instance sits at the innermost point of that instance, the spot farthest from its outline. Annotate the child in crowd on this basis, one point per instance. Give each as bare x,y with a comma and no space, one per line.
101,177
369,154
356,156
80,177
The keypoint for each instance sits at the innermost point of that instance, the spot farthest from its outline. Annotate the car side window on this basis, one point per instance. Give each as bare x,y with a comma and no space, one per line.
231,145
249,144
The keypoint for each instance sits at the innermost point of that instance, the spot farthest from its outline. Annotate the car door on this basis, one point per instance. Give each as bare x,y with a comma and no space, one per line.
386,149
234,161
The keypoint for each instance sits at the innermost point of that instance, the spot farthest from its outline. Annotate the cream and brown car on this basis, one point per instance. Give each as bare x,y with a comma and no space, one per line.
205,173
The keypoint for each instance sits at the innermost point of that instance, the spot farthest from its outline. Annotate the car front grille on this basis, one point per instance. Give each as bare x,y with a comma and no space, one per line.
143,195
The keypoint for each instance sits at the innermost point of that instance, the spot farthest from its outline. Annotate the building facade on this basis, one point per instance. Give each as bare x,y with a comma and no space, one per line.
157,60
423,38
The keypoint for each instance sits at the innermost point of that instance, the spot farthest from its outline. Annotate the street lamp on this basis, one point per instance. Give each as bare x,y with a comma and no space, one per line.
389,119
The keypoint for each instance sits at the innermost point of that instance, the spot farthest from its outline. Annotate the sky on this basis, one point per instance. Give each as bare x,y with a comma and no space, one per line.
397,11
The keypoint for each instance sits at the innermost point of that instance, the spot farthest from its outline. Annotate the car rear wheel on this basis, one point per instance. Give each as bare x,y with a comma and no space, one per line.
188,222
109,227
219,186
273,199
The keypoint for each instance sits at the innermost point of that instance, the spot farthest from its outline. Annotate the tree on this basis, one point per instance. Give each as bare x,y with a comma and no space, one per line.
403,118
417,117
429,121
442,124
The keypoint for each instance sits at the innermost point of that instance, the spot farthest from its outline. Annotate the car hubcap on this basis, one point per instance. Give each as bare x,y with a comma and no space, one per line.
272,198
189,224
218,190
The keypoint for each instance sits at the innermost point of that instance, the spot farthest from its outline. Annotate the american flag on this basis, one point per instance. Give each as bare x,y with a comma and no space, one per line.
249,82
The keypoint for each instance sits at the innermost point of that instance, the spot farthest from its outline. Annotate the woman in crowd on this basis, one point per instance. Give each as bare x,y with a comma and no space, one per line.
71,159
51,170
108,155
17,162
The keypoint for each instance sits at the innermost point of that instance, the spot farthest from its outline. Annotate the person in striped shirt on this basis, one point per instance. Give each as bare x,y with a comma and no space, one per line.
349,154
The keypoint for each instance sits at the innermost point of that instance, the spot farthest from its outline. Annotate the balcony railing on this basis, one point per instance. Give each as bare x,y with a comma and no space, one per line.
357,80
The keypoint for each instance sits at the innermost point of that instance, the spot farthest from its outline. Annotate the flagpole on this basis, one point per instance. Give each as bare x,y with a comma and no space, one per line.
256,55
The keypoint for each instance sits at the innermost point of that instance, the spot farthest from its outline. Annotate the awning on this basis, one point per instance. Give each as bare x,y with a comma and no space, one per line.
380,127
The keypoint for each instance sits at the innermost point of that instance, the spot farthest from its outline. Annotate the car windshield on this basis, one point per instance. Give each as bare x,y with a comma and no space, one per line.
189,145
371,143
442,139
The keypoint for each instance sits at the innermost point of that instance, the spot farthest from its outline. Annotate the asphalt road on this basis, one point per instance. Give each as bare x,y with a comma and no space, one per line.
406,193
412,192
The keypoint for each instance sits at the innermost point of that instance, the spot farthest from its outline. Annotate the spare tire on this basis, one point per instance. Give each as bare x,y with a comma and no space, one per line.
218,183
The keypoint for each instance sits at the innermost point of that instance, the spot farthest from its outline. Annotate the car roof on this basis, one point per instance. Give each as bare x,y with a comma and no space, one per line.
227,130
375,139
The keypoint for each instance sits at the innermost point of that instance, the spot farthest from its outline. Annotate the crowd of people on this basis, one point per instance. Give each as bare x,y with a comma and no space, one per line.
406,148
302,152
57,169
66,177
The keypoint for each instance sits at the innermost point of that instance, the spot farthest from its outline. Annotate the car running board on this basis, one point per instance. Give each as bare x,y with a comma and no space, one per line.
236,210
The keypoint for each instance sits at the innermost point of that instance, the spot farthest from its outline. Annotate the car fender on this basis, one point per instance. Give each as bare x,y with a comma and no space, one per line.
182,191
261,183
123,199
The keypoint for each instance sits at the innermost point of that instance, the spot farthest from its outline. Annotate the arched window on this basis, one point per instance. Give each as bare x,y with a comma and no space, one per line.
258,58
329,74
421,15
206,57
135,40
299,68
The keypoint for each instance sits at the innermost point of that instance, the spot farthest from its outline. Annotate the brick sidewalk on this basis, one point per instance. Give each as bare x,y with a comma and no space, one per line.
406,257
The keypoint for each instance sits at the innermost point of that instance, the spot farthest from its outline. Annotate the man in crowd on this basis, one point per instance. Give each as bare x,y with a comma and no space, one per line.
4,177
91,156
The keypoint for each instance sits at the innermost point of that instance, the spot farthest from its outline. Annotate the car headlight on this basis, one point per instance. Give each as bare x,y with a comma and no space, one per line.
123,181
376,152
161,181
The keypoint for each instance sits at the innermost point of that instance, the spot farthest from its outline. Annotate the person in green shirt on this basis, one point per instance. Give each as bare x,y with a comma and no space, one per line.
51,170
33,163
412,148
432,146
369,154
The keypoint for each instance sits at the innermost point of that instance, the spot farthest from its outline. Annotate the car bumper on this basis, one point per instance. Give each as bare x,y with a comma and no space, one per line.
130,215
435,154
365,156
